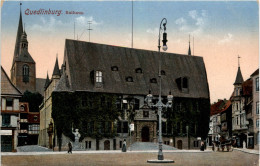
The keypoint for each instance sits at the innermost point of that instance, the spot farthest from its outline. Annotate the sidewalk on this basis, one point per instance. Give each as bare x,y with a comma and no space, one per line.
251,151
99,151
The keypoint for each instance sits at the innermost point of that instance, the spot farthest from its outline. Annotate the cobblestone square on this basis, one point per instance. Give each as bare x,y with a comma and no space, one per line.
235,158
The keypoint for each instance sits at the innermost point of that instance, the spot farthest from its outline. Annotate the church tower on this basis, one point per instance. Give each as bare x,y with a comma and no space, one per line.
23,74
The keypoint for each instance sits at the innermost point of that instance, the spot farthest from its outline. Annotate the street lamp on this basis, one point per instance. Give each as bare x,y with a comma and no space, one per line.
160,104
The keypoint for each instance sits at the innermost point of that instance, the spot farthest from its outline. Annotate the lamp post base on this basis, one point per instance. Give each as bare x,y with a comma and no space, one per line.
160,161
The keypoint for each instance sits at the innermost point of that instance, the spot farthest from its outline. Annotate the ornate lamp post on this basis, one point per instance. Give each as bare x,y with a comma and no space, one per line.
160,104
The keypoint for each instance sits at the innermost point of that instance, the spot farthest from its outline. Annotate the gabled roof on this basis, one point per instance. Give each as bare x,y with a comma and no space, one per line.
219,106
7,87
255,72
239,77
82,58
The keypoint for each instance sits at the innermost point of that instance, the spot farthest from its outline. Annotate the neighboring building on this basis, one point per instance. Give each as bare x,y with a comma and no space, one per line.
255,108
215,121
10,111
97,69
226,120
29,126
46,125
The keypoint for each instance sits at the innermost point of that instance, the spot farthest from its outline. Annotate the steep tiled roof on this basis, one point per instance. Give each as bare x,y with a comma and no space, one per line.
56,70
247,87
7,87
82,58
18,37
239,77
40,82
255,72
218,107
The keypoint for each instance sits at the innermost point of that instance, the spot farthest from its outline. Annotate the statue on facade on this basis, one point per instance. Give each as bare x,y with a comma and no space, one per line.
77,136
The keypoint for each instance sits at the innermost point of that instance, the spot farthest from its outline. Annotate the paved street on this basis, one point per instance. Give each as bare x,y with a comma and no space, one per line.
133,158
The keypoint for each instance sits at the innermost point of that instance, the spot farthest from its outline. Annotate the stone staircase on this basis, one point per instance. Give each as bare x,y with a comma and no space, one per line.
149,146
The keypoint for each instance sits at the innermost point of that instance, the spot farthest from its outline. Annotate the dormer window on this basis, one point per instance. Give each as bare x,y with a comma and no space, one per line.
183,84
162,72
138,70
153,80
114,68
98,76
129,79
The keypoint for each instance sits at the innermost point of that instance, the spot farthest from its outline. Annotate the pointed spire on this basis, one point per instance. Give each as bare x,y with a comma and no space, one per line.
56,70
47,81
239,78
189,51
18,36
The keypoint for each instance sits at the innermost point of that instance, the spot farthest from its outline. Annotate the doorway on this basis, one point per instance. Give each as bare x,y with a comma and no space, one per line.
179,144
107,145
145,134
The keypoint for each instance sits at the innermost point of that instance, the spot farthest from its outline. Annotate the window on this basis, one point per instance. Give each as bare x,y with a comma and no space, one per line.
33,129
257,84
9,102
185,82
88,145
153,80
129,79
99,76
120,144
258,138
182,84
25,73
257,108
125,127
114,68
137,104
138,70
257,122
162,72
146,114
5,120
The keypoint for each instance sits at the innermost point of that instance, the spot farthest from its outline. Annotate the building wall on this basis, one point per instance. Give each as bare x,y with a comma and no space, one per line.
255,116
45,113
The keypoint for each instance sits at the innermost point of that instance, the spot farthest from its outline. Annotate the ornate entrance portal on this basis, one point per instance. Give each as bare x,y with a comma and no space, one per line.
145,134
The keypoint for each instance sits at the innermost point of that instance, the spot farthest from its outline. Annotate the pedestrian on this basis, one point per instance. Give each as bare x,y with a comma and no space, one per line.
70,147
124,146
202,146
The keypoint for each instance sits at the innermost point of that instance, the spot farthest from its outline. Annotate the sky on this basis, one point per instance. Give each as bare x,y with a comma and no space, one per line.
221,30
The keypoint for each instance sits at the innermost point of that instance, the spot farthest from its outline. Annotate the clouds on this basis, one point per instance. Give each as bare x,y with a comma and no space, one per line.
154,31
227,38
82,20
46,25
193,22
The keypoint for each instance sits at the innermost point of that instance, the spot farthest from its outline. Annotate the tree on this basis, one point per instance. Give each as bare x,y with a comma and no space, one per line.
34,100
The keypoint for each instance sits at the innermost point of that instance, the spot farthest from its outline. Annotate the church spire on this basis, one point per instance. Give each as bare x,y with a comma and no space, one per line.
239,77
56,70
18,36
189,51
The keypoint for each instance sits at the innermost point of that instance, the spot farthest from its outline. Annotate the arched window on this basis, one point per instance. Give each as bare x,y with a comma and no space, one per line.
25,73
